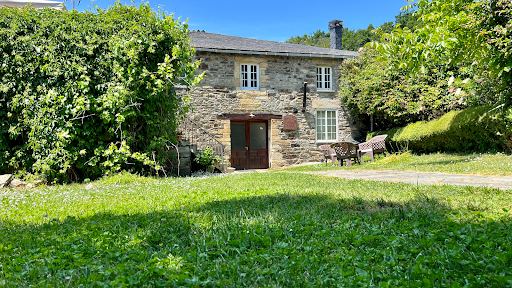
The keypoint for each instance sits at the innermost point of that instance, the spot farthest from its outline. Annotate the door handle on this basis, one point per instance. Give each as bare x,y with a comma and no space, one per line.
246,148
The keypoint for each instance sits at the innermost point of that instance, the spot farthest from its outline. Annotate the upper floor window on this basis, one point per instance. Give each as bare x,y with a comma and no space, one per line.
249,77
324,78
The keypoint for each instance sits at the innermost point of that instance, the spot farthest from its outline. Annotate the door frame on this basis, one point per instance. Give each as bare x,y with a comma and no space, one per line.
248,142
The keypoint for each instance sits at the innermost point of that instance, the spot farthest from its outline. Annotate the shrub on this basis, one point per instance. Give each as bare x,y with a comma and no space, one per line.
88,94
474,129
207,159
368,87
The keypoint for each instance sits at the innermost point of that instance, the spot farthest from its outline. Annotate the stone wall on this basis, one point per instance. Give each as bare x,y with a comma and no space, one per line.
280,93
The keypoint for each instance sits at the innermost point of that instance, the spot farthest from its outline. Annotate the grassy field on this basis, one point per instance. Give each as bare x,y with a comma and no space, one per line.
482,164
255,230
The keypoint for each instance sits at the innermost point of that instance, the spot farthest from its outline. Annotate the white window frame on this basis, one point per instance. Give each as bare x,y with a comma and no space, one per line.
245,75
317,121
321,75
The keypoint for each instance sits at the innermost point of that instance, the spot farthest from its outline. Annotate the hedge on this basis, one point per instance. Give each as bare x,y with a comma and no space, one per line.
481,128
83,94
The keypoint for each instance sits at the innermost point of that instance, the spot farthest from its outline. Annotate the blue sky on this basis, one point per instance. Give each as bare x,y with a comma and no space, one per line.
271,20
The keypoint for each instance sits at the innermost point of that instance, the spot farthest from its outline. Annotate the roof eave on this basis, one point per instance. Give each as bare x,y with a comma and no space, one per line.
274,53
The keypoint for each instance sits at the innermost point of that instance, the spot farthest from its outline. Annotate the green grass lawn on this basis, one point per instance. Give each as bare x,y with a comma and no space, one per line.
483,164
255,230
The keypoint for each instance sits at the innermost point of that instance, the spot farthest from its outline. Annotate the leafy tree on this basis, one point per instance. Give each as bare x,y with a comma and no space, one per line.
355,39
407,19
318,38
472,35
87,94
367,87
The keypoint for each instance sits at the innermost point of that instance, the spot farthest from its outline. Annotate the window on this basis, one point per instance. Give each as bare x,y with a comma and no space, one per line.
249,77
324,78
326,125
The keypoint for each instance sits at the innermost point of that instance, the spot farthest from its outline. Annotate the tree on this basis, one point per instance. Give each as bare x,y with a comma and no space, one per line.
458,55
367,87
353,40
318,38
407,19
471,35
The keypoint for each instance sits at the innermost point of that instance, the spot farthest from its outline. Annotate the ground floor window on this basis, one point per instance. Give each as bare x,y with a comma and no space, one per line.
326,125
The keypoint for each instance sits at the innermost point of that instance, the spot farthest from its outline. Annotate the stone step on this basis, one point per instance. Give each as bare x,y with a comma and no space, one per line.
224,168
5,180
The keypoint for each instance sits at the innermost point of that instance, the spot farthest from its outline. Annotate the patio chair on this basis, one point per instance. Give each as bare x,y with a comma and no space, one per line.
376,145
345,151
329,153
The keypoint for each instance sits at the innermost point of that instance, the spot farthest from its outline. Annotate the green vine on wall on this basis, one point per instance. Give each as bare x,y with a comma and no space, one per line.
84,94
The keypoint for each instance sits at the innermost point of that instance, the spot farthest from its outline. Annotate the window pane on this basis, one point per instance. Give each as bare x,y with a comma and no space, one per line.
318,77
327,78
331,132
331,125
243,74
320,125
258,136
238,136
254,76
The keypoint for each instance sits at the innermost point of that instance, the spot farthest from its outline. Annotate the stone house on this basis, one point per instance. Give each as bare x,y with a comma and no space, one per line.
254,100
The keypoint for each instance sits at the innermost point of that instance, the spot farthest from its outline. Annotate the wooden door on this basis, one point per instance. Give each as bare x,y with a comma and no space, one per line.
239,149
249,144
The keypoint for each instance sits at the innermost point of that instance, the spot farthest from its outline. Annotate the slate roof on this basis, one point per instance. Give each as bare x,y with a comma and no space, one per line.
203,41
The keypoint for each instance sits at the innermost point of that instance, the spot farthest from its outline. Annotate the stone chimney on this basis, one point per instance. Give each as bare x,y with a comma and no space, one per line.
336,29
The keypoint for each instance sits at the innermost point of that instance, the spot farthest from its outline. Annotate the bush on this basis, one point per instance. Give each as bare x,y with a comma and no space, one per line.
88,94
368,87
207,159
474,129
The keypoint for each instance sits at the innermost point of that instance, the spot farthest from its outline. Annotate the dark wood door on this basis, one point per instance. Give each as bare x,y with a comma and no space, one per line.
239,149
249,144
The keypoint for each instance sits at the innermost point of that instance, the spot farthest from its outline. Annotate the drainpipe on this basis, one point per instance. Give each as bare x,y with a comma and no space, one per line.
304,99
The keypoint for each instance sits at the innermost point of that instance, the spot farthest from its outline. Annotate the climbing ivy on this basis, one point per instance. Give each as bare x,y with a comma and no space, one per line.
83,94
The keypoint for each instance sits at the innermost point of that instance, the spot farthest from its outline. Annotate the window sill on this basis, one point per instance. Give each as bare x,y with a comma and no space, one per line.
327,141
324,91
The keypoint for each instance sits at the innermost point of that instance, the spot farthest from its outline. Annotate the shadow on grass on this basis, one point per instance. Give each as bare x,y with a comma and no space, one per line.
322,206
275,240
444,162
103,250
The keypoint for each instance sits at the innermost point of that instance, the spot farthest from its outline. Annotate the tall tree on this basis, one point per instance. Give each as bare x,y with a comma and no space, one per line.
471,35
352,39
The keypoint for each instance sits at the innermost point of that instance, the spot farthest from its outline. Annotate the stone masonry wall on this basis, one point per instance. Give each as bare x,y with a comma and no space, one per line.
281,90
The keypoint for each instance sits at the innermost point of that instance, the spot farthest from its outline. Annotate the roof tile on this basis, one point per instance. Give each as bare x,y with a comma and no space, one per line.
203,40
